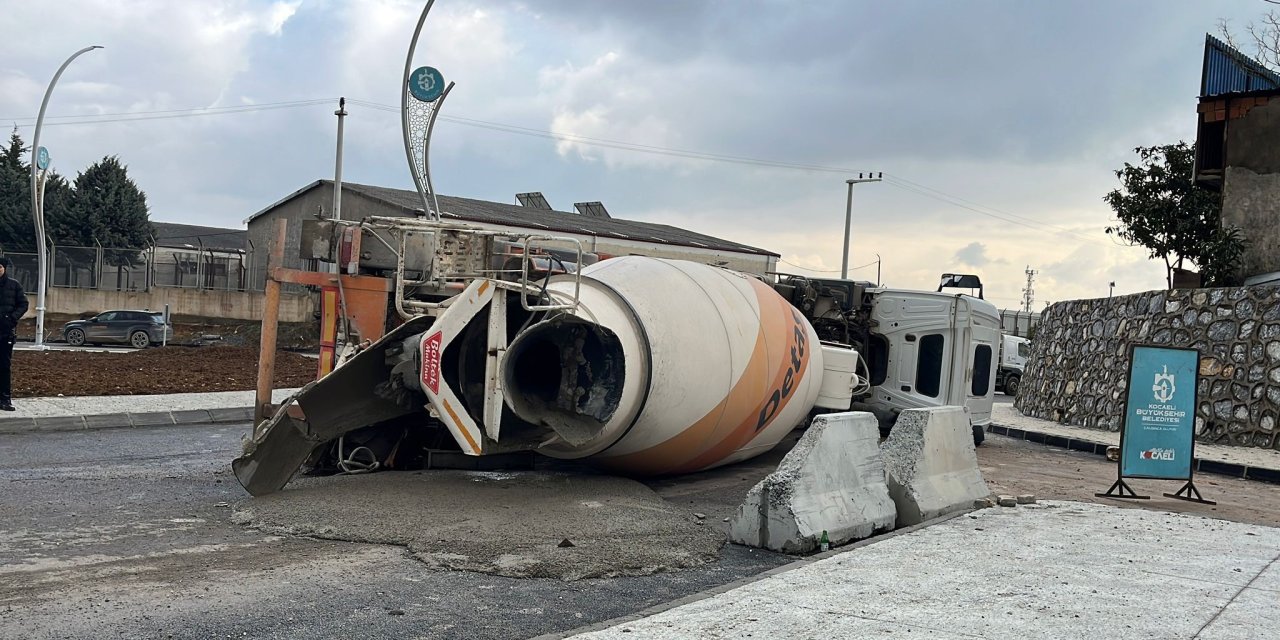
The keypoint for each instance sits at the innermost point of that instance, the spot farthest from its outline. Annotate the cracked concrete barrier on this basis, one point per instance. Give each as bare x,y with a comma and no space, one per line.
832,480
932,465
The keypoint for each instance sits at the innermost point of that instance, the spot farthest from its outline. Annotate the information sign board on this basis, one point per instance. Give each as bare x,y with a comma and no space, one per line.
1160,415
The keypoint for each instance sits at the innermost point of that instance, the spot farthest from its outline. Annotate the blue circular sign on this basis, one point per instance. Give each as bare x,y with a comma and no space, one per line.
426,84
42,159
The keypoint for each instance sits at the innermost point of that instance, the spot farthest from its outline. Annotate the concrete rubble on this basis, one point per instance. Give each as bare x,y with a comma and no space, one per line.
931,463
833,480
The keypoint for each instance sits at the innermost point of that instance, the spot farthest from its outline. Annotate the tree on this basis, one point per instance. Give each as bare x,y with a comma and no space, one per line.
1264,35
16,225
1159,207
16,229
105,206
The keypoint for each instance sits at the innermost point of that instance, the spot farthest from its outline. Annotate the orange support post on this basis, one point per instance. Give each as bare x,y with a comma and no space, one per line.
270,322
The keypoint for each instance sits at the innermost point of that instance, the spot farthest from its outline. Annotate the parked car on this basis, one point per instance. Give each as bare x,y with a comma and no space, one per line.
139,329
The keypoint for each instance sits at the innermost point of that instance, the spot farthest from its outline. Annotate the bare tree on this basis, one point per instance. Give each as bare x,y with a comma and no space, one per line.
1264,34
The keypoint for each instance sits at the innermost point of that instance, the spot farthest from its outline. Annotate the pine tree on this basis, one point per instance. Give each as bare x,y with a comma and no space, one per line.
105,206
17,233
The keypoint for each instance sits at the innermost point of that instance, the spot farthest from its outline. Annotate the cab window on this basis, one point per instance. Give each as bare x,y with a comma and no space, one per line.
981,371
929,365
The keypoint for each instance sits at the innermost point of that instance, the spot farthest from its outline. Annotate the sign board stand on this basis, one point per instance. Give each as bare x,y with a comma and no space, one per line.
1157,438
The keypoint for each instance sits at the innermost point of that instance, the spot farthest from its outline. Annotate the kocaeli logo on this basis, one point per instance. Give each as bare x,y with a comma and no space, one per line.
1157,454
431,362
1163,386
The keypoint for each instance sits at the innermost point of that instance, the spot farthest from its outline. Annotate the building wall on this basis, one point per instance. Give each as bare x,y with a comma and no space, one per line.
237,305
1079,359
1251,184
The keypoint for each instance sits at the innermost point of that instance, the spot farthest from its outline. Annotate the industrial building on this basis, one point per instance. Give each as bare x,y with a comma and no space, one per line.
598,232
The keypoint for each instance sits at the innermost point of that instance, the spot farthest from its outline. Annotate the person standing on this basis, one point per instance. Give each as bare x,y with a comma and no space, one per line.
13,305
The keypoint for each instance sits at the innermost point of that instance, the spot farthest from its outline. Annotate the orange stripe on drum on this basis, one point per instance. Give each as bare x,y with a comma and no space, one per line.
737,419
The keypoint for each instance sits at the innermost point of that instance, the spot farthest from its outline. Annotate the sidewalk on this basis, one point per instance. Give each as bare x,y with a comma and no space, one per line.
1243,462
106,412
1052,570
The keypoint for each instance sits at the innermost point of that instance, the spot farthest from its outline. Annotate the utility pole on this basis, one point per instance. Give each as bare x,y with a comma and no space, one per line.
848,218
1029,292
337,169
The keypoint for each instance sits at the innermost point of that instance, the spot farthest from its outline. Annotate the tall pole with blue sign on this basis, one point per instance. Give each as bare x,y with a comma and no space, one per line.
1157,439
422,92
40,160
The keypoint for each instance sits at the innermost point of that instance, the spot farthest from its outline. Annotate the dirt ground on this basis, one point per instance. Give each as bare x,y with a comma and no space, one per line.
151,371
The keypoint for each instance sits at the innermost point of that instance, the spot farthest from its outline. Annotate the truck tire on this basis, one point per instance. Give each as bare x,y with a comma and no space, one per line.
1011,385
979,434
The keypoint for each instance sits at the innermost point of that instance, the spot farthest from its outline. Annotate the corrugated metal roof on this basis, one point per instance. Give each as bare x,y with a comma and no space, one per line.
1226,70
482,211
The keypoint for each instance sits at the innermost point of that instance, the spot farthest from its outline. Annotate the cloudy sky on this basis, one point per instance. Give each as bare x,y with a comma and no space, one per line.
997,124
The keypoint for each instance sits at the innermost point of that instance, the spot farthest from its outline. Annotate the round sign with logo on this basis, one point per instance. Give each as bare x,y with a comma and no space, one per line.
426,84
42,159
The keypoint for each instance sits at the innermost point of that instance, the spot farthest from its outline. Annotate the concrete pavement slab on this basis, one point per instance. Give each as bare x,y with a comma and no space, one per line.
1053,570
1252,614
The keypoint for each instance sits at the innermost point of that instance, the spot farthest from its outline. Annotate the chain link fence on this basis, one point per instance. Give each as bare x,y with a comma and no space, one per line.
115,269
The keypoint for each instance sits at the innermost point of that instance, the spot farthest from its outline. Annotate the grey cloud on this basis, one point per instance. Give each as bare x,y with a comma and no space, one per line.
973,254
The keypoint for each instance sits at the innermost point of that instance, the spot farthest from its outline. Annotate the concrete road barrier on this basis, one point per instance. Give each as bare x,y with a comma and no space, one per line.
931,463
832,480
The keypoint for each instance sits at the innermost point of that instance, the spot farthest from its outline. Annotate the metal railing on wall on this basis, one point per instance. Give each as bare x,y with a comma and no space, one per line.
119,269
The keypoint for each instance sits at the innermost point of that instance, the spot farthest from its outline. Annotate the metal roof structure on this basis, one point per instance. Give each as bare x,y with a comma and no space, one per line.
537,220
1226,70
180,236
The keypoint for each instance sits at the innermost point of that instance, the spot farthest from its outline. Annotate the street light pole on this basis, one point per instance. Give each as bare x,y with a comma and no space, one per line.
37,204
1111,289
848,219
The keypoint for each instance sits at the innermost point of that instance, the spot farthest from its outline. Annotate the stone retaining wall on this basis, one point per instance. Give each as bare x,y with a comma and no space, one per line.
1080,356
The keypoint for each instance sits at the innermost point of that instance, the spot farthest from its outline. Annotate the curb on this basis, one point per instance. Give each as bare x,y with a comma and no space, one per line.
41,424
1201,465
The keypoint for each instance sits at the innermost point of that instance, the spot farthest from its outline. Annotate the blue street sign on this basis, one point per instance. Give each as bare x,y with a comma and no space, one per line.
1160,415
426,84
42,159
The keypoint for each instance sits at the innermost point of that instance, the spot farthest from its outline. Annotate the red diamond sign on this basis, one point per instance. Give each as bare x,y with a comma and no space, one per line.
431,362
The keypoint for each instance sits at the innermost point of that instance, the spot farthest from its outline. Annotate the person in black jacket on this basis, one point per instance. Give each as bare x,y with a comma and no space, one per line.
13,304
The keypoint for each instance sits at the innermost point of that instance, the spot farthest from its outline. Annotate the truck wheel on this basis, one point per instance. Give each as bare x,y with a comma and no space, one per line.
75,337
1011,385
979,434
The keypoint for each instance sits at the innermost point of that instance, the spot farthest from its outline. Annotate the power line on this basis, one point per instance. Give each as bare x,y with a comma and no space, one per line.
130,116
896,181
800,266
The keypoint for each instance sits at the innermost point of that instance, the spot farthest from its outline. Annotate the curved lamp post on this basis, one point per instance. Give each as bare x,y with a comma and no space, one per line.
37,206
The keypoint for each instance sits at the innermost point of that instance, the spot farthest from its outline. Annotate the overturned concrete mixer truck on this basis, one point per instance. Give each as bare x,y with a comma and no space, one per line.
638,365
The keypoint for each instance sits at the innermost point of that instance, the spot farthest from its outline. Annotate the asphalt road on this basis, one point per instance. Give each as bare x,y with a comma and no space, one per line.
127,533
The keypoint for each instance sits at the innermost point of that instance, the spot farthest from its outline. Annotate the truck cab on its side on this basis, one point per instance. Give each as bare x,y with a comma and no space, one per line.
920,348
